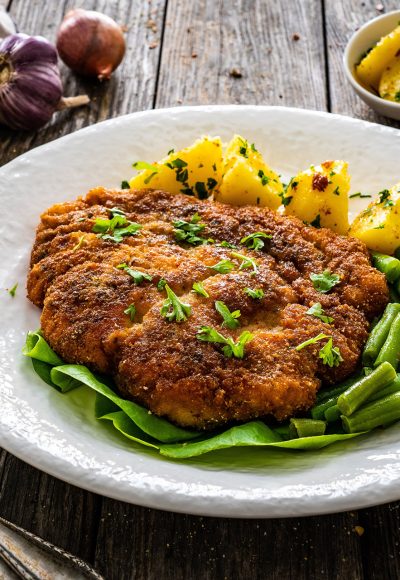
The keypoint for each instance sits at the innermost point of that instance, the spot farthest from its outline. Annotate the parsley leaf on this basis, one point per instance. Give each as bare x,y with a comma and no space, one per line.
264,178
243,147
231,348
125,184
313,340
225,244
223,266
116,228
79,244
201,190
317,311
324,282
330,354
257,293
384,197
173,308
161,284
229,318
137,275
131,311
12,291
187,231
254,241
198,288
246,262
359,194
316,223
144,166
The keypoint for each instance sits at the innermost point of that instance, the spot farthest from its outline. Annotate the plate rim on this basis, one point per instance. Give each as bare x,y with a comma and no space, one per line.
154,499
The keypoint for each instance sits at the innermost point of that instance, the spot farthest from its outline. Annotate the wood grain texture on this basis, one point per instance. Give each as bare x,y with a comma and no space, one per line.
206,41
179,547
342,19
132,86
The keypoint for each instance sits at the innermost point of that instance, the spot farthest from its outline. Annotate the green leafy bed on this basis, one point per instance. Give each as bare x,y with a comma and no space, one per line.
138,424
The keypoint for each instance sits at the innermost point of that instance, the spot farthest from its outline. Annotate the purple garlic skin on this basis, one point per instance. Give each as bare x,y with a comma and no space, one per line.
30,83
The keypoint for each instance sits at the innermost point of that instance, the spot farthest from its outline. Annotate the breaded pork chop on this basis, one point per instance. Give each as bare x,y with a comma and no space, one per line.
87,281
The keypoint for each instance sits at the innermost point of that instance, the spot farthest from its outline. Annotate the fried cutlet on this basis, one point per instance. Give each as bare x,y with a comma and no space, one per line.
82,282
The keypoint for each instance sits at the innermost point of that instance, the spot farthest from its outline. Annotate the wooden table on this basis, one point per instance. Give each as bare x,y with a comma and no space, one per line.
284,52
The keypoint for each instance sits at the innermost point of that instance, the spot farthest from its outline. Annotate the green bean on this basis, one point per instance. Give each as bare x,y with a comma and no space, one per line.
388,265
380,412
306,428
394,295
333,414
318,412
327,393
379,334
390,351
283,430
359,393
394,387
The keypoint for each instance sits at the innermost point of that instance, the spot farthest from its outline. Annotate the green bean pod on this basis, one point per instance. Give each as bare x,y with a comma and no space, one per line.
394,387
379,334
380,412
388,265
333,414
356,395
390,350
327,393
306,428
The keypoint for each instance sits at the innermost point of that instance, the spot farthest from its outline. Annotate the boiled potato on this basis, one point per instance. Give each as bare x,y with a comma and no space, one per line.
379,225
370,69
389,86
319,196
247,179
196,170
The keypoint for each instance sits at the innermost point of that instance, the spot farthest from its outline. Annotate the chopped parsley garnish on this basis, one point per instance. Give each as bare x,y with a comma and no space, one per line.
329,354
137,275
171,151
116,228
316,223
246,262
253,148
211,183
12,291
231,348
336,191
229,318
198,288
144,166
243,147
313,340
223,266
187,231
79,244
225,244
359,194
257,293
254,241
149,178
131,311
174,309
176,163
381,227
201,190
161,284
285,199
325,281
317,311
264,178
125,184
384,197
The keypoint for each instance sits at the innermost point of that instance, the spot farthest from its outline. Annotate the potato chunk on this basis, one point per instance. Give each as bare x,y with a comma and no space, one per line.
389,86
195,170
370,69
319,196
379,224
247,179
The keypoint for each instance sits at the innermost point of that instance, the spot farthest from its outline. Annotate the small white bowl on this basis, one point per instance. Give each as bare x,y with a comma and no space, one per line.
360,42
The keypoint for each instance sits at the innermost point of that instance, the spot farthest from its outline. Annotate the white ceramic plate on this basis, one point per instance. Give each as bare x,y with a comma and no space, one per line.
54,433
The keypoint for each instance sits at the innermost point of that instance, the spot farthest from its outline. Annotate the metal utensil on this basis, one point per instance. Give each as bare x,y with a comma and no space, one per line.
24,555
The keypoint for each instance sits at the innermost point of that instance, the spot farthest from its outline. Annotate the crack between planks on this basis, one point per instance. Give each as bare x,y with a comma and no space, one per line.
326,56
164,25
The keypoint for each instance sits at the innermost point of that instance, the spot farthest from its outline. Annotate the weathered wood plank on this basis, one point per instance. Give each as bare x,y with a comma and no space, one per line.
206,41
178,547
342,19
131,88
